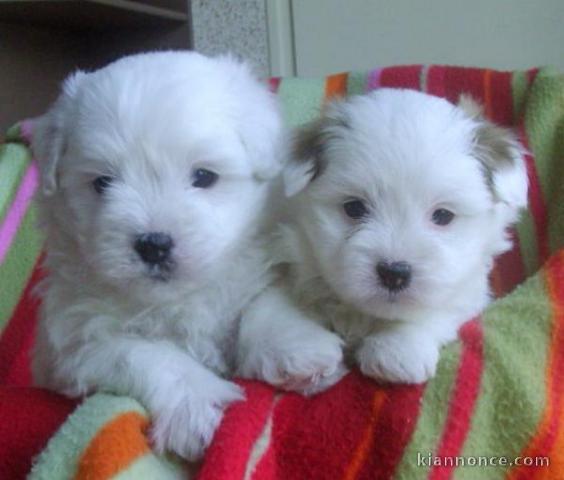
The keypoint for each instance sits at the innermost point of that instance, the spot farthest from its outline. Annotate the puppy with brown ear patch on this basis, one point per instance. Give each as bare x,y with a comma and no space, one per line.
398,204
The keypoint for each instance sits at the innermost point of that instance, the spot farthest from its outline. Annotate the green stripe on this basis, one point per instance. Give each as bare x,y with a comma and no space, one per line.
62,454
14,159
519,90
356,83
545,128
526,232
512,398
432,417
301,99
18,265
526,229
150,466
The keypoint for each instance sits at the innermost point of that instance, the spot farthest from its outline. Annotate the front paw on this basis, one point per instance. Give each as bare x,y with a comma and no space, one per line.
398,357
306,364
187,423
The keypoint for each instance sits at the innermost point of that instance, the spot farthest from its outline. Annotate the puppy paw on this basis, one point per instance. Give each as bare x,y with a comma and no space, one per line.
306,365
398,357
186,426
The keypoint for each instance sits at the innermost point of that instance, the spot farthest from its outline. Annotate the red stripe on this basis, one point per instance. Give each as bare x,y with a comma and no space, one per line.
463,398
509,268
464,80
436,78
274,84
316,437
17,339
401,77
501,98
227,456
393,431
30,416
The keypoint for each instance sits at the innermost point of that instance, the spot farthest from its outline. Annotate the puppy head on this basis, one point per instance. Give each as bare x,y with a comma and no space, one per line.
157,167
404,198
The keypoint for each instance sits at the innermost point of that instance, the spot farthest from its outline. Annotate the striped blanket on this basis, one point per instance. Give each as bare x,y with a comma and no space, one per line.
494,410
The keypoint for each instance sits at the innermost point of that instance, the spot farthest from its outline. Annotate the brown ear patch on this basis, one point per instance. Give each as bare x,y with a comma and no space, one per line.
310,142
495,147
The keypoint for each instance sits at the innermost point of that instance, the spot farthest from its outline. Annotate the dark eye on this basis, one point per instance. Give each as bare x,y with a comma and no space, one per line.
101,183
442,217
355,209
203,178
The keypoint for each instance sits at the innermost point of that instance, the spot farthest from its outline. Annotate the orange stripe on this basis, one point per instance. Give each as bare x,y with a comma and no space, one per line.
543,441
336,85
556,455
116,446
365,444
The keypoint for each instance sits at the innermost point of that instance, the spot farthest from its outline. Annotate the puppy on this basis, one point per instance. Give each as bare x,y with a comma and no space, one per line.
399,202
155,174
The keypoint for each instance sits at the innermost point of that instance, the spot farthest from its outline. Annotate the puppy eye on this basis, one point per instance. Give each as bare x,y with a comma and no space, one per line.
102,183
442,217
203,178
355,209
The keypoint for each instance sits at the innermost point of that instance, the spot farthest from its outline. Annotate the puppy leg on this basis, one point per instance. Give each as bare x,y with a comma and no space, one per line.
282,346
403,353
186,401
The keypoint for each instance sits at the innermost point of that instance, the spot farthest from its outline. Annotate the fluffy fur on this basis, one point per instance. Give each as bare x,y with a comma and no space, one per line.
110,321
404,155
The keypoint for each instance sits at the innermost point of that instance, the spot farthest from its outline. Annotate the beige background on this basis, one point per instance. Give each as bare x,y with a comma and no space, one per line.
336,35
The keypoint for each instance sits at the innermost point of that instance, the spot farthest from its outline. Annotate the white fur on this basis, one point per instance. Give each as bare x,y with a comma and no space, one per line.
404,154
150,120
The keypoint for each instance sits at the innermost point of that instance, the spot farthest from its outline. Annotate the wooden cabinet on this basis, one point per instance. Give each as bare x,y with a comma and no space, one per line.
41,41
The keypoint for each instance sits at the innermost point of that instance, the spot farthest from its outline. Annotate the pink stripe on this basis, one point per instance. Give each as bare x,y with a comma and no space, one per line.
374,79
17,209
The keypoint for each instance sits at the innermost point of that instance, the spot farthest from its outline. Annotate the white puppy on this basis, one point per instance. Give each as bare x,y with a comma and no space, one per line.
156,171
400,202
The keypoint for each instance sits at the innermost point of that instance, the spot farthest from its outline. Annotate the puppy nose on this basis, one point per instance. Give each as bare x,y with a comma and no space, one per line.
394,276
153,248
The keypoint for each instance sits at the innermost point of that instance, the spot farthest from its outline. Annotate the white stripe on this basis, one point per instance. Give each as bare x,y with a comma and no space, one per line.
262,442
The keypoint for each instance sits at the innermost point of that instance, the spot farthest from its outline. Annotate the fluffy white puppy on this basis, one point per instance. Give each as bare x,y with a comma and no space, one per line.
155,175
399,203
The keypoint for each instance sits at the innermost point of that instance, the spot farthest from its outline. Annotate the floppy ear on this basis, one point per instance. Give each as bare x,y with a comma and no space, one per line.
307,160
501,155
49,142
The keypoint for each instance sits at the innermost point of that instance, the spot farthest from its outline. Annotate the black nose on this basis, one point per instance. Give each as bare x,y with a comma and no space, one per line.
153,248
394,276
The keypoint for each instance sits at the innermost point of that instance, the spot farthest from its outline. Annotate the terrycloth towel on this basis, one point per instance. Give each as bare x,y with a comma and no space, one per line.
499,391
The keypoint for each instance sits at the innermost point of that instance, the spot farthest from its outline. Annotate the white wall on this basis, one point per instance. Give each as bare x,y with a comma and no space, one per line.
337,35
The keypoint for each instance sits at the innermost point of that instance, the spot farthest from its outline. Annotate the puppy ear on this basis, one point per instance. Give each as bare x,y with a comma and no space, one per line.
501,155
306,161
503,159
309,145
49,140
